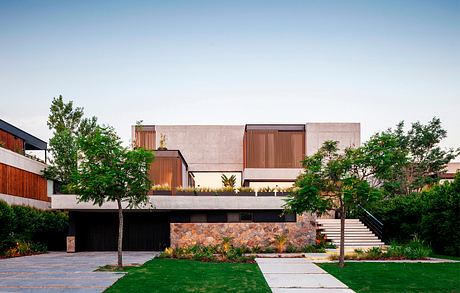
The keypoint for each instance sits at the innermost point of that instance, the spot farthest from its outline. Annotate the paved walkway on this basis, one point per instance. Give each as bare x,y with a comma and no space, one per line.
63,272
298,275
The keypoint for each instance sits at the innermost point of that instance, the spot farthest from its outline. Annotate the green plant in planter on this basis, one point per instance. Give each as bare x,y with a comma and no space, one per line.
266,189
225,189
186,189
228,181
160,187
245,189
162,146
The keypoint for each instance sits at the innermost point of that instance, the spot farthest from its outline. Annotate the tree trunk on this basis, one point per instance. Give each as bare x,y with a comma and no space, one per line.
120,234
342,235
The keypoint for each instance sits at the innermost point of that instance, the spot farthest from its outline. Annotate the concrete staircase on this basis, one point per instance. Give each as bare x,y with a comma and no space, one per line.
357,235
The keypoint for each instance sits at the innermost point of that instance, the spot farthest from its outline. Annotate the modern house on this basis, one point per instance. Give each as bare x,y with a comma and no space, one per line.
21,179
186,205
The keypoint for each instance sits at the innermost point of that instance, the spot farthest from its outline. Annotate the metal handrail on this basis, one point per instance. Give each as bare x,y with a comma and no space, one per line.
370,215
372,222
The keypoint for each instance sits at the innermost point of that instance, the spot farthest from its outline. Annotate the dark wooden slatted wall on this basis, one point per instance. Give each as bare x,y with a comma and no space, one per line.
9,141
14,181
274,149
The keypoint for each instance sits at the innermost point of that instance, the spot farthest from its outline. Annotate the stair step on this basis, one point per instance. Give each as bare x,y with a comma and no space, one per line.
329,236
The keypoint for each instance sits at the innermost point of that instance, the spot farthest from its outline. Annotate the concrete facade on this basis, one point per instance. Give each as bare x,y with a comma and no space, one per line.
206,147
271,174
19,161
158,202
347,134
22,201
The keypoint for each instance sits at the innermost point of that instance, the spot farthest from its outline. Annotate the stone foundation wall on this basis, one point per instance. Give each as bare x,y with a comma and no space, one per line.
299,233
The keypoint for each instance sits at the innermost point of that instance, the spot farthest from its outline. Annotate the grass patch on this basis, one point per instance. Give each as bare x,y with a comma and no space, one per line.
398,277
445,256
176,275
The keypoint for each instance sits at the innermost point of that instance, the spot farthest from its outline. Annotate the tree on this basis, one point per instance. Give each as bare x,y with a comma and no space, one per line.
405,162
67,124
329,182
108,172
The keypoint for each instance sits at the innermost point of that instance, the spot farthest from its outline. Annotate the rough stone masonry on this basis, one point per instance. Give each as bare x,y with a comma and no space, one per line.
298,233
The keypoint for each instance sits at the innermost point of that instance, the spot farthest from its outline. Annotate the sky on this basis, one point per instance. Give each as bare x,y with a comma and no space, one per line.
232,62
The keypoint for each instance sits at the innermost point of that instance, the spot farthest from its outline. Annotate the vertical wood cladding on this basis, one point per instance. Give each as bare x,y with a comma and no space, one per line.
274,148
9,141
145,137
166,171
14,181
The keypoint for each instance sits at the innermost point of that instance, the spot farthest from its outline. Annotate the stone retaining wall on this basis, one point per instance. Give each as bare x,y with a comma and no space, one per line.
299,233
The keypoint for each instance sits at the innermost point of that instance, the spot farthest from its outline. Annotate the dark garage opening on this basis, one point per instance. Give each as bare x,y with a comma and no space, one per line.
143,231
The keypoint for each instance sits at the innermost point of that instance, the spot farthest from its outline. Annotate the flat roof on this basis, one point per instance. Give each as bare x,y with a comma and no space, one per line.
288,127
30,142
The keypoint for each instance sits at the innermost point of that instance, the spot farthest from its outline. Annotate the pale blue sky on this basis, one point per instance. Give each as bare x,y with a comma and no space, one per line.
232,62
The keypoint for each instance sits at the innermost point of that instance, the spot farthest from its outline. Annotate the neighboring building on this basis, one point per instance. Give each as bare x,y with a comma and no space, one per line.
261,156
451,171
21,180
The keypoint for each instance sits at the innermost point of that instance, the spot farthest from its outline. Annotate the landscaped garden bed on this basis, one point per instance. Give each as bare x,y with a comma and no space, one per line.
414,250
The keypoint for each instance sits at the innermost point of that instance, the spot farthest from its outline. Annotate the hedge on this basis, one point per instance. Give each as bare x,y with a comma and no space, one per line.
27,224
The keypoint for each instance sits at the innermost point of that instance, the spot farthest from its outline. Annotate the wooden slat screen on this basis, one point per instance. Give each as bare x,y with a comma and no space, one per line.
14,181
9,141
145,139
274,149
166,171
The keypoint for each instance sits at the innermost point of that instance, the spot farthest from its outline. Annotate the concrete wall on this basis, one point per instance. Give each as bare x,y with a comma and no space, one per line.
13,159
271,174
69,202
206,147
348,135
22,201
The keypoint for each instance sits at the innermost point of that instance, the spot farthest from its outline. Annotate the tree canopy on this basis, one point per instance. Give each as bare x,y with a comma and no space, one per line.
109,172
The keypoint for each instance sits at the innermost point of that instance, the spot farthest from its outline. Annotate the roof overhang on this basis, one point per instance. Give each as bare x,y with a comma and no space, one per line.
30,142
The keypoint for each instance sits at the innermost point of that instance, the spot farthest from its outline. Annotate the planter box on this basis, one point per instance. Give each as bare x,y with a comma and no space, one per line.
265,193
226,193
185,193
246,193
207,193
161,192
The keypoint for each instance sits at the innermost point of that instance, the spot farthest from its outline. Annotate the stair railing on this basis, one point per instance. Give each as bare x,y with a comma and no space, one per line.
371,222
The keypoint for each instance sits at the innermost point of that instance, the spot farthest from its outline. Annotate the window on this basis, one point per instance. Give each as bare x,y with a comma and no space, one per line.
198,218
245,217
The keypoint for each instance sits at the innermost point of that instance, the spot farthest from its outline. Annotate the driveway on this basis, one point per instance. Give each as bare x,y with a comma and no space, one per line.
63,272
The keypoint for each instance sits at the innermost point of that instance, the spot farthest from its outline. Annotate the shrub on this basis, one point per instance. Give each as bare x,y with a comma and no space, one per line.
7,224
280,242
23,224
291,249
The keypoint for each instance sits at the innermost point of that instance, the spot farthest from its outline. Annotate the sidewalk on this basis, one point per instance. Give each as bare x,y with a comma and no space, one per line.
297,275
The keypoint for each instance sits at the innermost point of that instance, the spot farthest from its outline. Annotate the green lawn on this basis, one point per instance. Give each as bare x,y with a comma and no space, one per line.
171,275
398,277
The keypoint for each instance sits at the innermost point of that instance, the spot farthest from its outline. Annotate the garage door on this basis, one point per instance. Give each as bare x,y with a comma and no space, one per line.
98,231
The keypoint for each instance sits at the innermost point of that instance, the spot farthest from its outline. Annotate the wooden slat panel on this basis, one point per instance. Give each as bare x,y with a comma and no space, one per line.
274,149
166,171
14,181
11,142
145,139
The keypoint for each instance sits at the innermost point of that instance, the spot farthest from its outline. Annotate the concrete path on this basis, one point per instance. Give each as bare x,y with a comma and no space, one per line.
297,275
63,272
